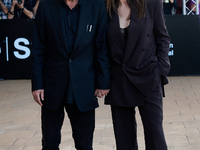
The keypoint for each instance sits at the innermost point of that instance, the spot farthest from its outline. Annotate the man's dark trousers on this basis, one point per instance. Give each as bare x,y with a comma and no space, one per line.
82,124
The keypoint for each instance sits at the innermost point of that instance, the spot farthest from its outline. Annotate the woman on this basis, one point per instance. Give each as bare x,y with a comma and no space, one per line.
139,44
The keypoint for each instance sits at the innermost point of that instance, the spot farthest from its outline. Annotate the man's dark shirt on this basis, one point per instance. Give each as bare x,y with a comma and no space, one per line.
71,18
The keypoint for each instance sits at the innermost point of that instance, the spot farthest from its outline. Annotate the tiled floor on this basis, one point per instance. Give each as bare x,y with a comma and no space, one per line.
20,118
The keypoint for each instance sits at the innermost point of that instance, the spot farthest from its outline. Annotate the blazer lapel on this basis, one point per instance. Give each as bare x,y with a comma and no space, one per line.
57,11
84,13
114,32
135,29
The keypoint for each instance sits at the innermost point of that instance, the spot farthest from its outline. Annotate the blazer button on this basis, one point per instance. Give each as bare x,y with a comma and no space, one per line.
147,35
113,56
70,60
143,49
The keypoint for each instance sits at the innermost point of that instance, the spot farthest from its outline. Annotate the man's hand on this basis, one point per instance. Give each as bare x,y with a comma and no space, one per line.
38,95
100,93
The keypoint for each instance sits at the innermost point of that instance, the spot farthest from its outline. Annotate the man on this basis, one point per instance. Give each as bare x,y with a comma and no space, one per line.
21,9
70,67
4,8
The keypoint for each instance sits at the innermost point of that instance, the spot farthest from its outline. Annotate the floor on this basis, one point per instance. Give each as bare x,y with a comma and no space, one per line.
20,118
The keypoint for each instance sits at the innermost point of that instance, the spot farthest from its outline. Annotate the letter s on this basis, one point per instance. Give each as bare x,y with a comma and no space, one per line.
22,48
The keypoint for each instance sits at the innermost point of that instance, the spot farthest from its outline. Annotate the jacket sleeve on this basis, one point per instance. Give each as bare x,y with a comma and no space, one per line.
38,49
162,39
101,51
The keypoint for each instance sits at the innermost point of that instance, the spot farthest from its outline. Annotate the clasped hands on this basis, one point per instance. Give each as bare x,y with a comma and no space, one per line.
100,93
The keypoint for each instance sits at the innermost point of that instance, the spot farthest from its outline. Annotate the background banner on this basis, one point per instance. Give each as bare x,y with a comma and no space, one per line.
15,48
16,37
185,44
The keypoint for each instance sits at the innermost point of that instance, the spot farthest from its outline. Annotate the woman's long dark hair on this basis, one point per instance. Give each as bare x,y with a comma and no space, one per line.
112,5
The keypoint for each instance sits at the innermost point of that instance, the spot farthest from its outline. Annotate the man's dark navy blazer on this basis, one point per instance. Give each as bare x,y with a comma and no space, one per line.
87,65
